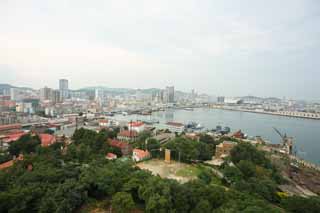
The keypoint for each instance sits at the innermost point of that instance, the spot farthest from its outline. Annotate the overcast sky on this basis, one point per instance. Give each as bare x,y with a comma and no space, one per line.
253,47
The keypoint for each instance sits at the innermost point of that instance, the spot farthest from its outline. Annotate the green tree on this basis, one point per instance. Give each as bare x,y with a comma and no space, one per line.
202,207
247,168
297,204
26,144
122,202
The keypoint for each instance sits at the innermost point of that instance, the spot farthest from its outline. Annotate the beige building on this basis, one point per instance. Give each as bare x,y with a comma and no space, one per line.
223,149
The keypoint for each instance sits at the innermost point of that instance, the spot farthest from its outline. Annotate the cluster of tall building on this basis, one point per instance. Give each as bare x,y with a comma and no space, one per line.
55,96
165,96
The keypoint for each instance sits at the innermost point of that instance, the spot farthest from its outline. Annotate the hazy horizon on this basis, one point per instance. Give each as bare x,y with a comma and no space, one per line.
228,48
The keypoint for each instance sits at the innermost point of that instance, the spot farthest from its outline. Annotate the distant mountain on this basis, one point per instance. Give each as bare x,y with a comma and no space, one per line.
9,86
6,86
125,90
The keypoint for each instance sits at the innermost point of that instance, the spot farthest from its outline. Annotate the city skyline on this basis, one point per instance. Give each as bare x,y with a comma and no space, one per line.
215,47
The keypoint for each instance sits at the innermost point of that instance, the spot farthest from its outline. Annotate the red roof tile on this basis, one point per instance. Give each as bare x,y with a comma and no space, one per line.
135,124
118,144
6,164
141,153
47,139
13,136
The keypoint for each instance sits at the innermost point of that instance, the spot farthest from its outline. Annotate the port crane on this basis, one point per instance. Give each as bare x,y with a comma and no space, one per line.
287,145
286,141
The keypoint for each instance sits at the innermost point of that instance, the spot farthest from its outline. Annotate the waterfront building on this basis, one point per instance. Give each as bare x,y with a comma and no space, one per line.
173,127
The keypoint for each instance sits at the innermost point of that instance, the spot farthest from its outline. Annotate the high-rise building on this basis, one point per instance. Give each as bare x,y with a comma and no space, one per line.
170,94
56,96
64,88
46,94
220,99
63,84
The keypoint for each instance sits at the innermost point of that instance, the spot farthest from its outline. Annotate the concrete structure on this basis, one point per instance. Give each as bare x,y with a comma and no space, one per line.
223,149
232,101
164,137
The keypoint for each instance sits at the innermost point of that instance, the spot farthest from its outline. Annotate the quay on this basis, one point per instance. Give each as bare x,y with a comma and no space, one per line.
305,115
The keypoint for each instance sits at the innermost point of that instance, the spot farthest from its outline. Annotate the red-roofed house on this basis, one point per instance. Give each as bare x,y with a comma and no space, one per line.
139,155
111,156
5,140
127,135
136,126
10,162
125,147
47,139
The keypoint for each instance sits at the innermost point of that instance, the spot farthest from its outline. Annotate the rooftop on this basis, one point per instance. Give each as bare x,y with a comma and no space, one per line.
46,139
141,153
136,124
10,126
118,144
127,133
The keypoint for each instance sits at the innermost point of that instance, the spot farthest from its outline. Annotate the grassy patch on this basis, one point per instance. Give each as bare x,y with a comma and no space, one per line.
188,171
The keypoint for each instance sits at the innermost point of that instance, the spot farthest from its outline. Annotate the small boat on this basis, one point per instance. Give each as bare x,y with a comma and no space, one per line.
194,126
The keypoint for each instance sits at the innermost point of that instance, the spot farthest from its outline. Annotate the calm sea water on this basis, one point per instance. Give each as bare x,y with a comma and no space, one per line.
306,133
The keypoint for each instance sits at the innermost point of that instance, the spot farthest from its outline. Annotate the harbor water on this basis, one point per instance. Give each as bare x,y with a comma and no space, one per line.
304,131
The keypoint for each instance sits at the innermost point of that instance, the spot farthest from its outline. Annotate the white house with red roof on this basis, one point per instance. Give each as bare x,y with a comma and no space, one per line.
139,155
136,126
111,156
